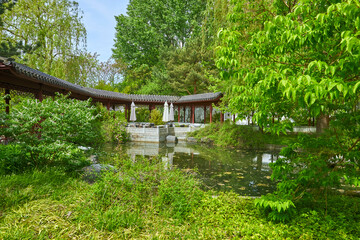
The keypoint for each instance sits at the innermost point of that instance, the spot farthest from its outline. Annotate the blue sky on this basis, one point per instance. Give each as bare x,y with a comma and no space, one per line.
99,20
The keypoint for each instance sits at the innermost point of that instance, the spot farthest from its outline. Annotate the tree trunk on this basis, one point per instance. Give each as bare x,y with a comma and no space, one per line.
322,123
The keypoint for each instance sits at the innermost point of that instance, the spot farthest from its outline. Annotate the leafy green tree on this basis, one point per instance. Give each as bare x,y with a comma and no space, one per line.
10,49
147,30
305,59
188,69
52,29
150,25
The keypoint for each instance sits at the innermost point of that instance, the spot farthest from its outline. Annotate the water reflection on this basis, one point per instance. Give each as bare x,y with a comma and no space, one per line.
244,172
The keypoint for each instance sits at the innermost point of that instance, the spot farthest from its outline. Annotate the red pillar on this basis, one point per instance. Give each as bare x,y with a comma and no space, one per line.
7,101
192,114
179,112
233,118
221,117
204,114
211,110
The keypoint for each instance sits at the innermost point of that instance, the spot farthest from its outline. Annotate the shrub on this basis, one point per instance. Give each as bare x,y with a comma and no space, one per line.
113,126
228,134
314,165
49,132
156,117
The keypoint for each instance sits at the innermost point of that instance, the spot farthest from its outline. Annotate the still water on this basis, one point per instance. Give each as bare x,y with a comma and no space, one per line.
244,172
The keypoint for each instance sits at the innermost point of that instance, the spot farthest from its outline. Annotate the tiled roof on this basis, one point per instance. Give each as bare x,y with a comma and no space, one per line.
46,79
200,97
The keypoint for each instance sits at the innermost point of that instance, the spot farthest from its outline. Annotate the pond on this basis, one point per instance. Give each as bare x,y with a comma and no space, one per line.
244,172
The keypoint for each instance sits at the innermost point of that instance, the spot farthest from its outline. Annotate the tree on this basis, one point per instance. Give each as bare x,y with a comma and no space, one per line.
306,59
10,49
149,28
52,29
149,25
188,69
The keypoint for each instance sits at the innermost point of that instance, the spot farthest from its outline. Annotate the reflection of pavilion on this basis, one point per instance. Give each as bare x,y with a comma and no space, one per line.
155,149
168,150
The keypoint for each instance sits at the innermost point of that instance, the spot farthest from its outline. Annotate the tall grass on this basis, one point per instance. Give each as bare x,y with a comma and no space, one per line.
143,200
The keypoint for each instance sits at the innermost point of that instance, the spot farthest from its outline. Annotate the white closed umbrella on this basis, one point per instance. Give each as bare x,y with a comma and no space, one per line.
166,112
171,114
132,113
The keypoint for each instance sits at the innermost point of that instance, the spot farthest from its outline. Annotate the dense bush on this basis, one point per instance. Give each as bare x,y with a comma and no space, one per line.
315,165
228,134
49,133
142,114
156,117
113,125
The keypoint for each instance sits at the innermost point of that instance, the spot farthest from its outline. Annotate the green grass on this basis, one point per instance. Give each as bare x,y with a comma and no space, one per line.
245,137
145,201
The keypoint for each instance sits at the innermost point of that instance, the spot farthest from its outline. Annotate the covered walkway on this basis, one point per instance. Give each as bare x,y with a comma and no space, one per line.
16,76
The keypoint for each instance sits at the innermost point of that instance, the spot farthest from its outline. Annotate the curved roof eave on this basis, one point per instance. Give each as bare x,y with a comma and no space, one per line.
52,81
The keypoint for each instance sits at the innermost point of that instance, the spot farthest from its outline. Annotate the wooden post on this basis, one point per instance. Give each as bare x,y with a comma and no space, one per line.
126,111
204,114
233,118
7,101
108,105
184,114
211,110
192,114
221,117
151,107
179,112
39,94
128,114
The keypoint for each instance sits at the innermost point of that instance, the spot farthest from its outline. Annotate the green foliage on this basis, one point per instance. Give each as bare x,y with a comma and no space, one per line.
188,68
142,114
152,32
246,137
52,35
49,133
128,205
113,125
156,117
178,196
12,159
150,25
303,61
